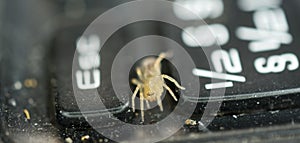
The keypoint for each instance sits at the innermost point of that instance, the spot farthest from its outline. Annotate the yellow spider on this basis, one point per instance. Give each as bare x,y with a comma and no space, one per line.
151,83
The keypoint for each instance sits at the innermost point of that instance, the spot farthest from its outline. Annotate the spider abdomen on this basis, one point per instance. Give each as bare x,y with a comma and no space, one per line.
154,88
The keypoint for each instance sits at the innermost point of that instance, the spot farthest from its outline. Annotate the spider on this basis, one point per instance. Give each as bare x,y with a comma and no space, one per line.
151,83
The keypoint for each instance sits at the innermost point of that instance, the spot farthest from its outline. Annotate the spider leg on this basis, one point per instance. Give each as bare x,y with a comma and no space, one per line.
159,59
142,105
133,97
139,73
139,85
136,82
159,103
172,80
170,91
147,103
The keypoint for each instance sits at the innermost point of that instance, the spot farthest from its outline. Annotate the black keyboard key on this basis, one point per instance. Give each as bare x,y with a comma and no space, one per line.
24,99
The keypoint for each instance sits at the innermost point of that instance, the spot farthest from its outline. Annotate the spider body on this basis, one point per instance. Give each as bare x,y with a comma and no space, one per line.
151,83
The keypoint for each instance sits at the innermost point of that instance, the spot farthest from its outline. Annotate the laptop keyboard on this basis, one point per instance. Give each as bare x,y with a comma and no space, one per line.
258,66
